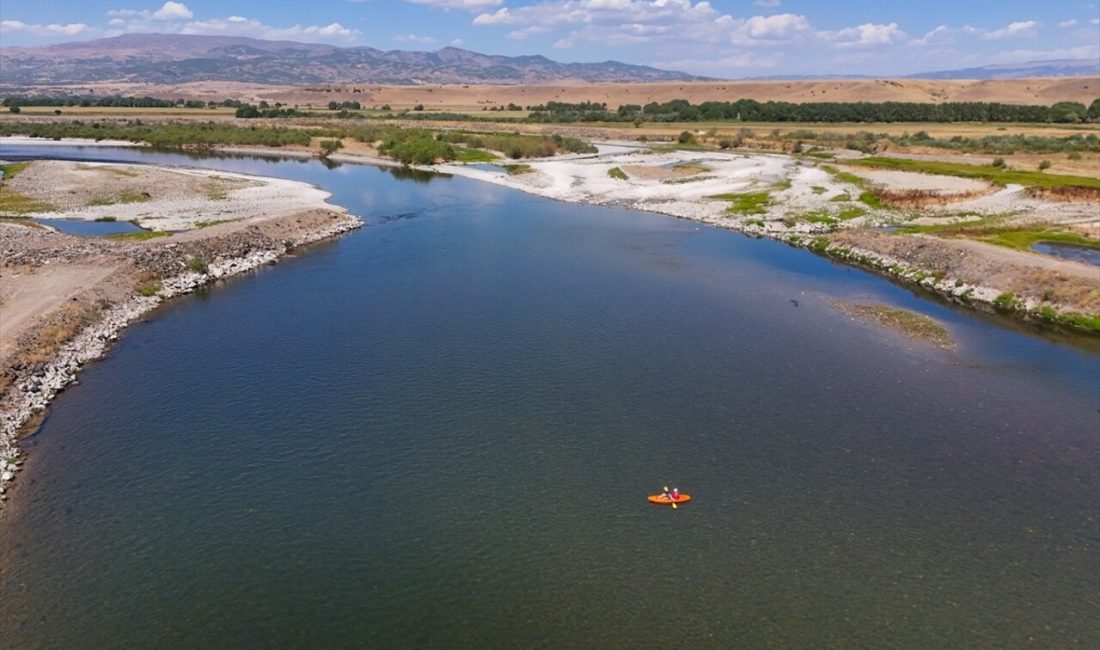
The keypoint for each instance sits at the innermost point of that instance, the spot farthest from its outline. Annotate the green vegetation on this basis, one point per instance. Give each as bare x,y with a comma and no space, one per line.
11,169
468,155
213,222
749,110
515,145
329,147
817,189
991,174
618,174
747,203
107,219
416,147
198,265
141,235
850,212
1018,236
148,289
819,216
518,168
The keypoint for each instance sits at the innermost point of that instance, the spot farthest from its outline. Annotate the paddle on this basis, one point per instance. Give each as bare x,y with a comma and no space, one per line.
669,497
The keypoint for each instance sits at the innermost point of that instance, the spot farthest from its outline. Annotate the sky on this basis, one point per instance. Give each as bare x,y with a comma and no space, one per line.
721,38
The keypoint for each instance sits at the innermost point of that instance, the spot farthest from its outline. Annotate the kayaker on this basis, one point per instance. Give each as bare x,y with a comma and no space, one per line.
675,494
665,494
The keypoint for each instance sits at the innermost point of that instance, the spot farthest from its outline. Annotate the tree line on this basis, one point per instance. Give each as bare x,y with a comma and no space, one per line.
112,100
750,110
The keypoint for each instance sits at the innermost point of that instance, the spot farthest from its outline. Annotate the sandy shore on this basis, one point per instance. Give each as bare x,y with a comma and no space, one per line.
65,298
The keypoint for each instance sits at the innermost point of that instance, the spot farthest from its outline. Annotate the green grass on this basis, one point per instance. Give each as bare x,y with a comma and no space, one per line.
850,212
198,265
618,174
466,155
14,203
871,200
747,203
819,216
11,169
817,189
1017,237
139,236
995,175
518,168
690,168
839,198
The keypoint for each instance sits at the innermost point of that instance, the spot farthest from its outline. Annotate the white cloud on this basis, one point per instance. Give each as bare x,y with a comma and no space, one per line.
865,35
500,17
770,28
51,29
767,4
1072,22
1082,52
173,11
1022,28
469,5
530,30
565,43
413,38
458,42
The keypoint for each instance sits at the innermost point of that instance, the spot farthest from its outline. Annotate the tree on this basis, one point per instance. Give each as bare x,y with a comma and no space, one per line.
14,109
329,147
1094,111
685,137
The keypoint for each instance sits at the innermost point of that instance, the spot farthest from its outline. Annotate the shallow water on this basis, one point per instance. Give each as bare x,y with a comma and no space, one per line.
439,431
1069,252
89,228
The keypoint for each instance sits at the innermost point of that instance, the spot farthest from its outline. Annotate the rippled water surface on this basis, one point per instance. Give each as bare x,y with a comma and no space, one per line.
440,430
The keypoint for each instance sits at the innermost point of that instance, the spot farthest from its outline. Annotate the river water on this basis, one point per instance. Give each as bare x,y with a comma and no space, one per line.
439,431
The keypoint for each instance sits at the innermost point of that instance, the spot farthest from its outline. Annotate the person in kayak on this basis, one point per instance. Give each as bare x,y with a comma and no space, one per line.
675,494
665,494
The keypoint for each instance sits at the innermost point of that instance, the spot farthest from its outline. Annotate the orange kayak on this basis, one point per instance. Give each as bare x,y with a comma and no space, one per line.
667,501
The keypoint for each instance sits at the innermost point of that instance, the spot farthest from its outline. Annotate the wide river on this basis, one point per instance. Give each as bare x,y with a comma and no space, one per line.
439,431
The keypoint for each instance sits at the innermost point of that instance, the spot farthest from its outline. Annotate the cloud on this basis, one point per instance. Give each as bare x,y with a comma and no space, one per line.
173,11
1022,28
767,4
51,29
458,42
1072,22
865,35
501,17
413,38
530,30
469,5
770,28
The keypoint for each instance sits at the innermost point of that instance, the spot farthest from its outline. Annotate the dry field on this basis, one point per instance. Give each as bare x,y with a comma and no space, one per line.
465,97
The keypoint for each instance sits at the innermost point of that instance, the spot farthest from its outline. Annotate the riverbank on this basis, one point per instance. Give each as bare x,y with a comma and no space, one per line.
66,298
885,222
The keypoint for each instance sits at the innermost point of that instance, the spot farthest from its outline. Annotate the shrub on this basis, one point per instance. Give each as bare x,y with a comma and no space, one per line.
617,174
1044,165
149,289
14,109
328,147
685,137
198,265
998,162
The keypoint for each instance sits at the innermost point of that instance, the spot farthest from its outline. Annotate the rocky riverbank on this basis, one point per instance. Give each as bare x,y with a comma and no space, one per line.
67,298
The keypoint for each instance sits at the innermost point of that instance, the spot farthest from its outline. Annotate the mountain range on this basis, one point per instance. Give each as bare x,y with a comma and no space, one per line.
175,59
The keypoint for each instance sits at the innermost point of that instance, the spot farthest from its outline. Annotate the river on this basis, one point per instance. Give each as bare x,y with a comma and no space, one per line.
439,432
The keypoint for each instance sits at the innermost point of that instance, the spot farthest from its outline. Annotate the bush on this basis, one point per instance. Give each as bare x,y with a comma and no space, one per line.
198,265
1044,165
14,109
328,147
685,137
998,162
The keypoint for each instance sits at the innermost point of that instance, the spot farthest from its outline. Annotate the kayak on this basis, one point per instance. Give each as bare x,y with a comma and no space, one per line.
662,500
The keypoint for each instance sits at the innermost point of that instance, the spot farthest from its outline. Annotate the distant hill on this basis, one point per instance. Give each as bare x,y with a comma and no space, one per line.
1058,68
175,59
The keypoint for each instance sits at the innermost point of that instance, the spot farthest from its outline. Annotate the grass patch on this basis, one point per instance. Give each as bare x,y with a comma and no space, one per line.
841,198
911,324
213,222
689,179
690,168
470,155
107,219
817,189
518,168
819,216
618,174
871,200
139,236
850,212
995,175
748,203
1018,237
14,203
11,169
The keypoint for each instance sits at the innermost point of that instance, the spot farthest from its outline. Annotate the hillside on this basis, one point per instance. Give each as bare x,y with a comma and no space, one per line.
176,59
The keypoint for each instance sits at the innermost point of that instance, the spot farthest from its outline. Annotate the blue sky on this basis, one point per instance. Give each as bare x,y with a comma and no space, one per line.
730,39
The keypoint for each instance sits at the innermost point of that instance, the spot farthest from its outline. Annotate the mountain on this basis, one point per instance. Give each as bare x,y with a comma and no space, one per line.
174,59
1057,68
